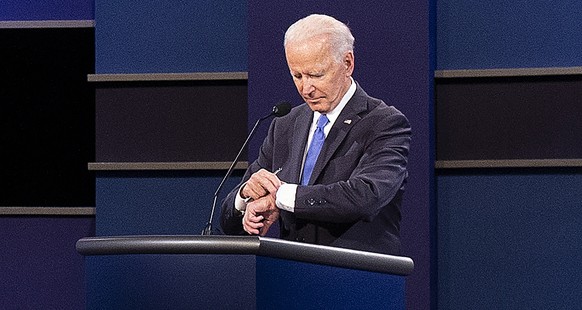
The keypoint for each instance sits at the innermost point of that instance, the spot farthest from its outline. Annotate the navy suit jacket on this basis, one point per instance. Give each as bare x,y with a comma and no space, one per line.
354,195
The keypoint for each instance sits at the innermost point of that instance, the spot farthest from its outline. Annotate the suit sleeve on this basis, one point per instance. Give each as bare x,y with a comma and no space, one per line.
357,185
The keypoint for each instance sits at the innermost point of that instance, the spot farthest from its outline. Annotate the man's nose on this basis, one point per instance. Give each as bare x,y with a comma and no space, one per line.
307,87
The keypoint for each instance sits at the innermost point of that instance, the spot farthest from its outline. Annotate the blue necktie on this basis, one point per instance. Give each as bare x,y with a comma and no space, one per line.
314,149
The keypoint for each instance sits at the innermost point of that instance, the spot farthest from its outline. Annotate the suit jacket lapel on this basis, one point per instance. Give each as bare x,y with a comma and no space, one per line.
301,131
348,118
298,142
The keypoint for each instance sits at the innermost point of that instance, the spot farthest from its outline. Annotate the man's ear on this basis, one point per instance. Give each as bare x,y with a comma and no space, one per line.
349,63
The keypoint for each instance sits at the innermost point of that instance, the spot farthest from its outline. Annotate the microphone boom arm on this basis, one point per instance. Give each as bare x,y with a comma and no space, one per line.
208,228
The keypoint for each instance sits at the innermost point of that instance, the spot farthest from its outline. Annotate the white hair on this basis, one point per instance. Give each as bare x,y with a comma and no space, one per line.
337,33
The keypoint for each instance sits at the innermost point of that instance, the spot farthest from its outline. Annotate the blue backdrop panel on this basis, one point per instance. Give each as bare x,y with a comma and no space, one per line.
510,241
18,10
170,36
321,289
171,282
508,34
39,267
150,203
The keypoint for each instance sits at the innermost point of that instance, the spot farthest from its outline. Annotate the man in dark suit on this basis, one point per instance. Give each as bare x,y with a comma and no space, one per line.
333,170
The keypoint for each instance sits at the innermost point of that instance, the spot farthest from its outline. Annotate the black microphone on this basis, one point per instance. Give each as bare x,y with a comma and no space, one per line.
281,109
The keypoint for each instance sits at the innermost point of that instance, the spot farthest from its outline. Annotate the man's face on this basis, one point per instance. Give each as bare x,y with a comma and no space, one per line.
319,78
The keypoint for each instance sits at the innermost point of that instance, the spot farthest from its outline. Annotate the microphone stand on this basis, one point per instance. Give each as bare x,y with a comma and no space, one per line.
208,229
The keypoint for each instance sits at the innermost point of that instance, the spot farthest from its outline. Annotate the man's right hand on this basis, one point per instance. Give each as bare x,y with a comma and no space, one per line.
261,184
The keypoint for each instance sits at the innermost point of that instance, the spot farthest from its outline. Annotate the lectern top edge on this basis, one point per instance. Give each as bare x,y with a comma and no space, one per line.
246,245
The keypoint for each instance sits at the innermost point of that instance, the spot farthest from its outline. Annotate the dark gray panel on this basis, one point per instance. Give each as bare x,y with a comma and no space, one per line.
509,118
170,121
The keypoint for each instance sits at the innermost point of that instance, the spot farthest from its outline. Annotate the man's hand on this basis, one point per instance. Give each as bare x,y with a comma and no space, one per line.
260,184
260,215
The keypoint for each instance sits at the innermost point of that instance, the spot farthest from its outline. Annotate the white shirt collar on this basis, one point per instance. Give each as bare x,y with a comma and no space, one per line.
333,115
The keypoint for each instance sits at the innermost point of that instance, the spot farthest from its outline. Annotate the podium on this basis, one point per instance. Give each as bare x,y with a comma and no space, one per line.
237,272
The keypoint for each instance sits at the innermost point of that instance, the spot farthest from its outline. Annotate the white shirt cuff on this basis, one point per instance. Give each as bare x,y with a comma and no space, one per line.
240,203
286,197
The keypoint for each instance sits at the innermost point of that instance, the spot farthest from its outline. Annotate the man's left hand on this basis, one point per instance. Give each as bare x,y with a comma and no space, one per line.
260,215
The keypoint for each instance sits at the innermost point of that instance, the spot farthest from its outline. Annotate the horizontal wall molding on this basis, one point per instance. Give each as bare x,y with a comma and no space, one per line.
140,77
165,166
47,24
514,163
512,72
72,211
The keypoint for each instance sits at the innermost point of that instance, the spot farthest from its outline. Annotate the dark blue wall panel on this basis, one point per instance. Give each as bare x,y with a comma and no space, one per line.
39,267
18,10
508,34
170,202
510,241
168,36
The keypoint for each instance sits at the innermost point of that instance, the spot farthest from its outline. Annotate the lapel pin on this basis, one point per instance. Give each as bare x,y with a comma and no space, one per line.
348,121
